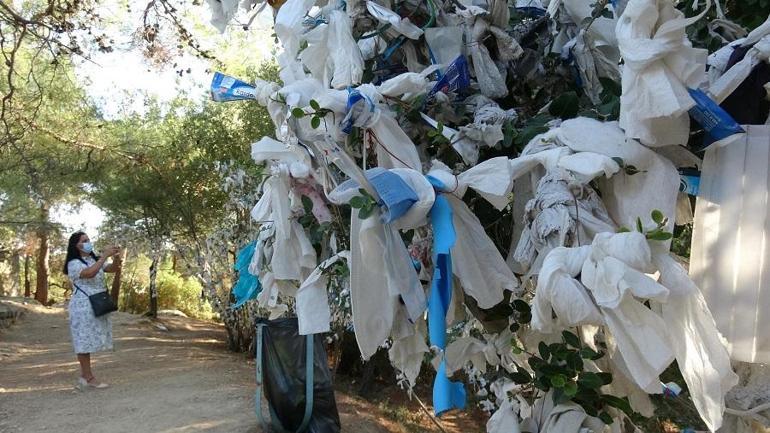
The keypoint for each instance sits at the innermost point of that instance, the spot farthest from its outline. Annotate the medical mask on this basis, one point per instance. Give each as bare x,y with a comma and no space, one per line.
87,248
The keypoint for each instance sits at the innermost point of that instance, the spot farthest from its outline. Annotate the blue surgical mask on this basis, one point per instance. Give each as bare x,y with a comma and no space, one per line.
87,248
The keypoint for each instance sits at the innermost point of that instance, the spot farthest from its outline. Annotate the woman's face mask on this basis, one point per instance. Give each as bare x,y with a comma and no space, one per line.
86,247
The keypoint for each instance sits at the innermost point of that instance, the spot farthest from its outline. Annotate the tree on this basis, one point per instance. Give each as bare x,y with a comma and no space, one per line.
174,195
52,161
59,32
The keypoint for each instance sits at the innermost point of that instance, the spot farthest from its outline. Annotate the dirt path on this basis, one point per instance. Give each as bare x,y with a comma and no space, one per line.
180,380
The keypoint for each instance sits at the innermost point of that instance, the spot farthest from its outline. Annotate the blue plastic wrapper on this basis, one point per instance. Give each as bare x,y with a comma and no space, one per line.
456,78
225,88
717,122
689,181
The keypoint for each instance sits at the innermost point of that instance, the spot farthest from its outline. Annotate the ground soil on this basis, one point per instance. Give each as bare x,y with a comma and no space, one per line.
181,379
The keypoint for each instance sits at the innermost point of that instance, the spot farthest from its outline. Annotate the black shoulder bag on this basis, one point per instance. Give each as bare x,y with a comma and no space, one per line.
101,302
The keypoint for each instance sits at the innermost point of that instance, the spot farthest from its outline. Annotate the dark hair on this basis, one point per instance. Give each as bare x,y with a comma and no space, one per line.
73,252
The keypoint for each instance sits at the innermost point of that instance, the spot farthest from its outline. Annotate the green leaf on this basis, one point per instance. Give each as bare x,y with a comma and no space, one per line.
606,13
570,389
657,216
558,381
307,205
528,133
611,109
358,202
315,122
639,226
610,87
314,105
605,377
575,362
659,235
365,193
509,133
365,212
536,363
521,377
559,351
624,229
606,418
571,339
590,380
559,396
543,350
588,353
590,409
298,112
618,403
524,317
521,306
542,383
565,106
618,160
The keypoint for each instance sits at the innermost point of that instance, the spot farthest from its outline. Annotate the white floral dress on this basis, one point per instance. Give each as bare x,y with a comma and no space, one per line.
89,333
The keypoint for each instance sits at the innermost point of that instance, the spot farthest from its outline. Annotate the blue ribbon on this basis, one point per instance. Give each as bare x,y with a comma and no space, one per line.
447,395
248,286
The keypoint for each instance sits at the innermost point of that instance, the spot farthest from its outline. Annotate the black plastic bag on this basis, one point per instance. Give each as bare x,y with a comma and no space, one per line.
284,372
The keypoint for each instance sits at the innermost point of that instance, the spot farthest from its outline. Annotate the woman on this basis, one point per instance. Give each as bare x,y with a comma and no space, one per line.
89,333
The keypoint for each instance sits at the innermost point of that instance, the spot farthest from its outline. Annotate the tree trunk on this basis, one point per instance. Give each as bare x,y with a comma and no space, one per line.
153,285
115,292
15,272
173,262
43,253
27,292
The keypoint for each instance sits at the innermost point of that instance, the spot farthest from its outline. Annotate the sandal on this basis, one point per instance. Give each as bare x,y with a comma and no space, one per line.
84,384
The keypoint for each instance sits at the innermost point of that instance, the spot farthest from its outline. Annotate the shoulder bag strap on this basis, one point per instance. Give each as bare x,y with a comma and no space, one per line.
77,288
